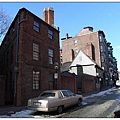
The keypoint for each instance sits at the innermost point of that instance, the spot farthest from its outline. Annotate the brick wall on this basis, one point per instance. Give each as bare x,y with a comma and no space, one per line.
28,36
68,82
88,83
2,90
82,42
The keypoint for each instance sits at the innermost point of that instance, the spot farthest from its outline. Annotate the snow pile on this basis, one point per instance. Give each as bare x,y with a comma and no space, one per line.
21,114
100,93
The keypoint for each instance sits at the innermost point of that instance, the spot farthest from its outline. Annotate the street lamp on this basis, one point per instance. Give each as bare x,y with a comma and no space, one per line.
99,78
55,74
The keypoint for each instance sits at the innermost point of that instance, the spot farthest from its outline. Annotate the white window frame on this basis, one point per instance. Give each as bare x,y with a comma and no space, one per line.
35,51
76,52
50,55
36,80
75,42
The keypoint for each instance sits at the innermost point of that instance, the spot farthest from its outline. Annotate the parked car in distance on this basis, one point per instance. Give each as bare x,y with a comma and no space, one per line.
54,100
116,114
117,83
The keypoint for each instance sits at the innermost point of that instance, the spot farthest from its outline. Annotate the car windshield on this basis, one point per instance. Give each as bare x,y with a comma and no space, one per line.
47,94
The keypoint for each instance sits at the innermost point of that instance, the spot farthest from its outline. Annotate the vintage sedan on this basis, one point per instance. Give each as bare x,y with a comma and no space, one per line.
54,100
117,83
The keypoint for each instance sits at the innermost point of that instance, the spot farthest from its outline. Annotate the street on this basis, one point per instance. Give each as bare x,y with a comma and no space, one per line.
99,105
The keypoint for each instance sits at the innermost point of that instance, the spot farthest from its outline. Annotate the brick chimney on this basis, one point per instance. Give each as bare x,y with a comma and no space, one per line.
48,15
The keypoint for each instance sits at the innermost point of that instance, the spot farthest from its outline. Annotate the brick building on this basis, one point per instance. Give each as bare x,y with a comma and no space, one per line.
93,44
113,70
27,57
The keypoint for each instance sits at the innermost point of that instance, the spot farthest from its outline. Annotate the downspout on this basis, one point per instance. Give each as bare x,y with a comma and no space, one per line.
16,67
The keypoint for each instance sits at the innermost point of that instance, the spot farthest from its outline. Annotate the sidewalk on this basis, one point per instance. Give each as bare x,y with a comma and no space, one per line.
7,110
95,92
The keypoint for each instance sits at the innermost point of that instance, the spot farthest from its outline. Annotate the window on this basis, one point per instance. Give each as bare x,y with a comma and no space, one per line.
101,48
80,58
50,34
76,52
35,51
50,53
36,81
70,93
102,58
101,37
47,94
51,81
65,93
36,26
75,43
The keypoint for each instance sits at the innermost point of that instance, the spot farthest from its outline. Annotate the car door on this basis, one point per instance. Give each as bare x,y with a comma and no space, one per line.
73,97
67,101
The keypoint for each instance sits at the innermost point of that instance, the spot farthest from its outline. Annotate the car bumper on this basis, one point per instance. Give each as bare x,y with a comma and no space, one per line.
42,109
38,109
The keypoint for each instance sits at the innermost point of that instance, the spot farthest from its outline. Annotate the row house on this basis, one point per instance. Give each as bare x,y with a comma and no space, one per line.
29,57
93,44
113,70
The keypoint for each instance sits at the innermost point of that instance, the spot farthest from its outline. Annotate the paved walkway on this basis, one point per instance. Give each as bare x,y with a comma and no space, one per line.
7,110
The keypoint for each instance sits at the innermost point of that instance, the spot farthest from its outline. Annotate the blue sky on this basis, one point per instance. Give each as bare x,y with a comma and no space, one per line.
72,17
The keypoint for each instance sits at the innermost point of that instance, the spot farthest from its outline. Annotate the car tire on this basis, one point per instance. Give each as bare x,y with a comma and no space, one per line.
60,109
79,102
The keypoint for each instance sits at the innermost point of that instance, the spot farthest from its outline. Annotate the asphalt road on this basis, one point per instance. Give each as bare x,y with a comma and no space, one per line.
98,106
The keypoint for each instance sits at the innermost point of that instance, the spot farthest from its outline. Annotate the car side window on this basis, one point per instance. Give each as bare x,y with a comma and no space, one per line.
70,93
48,94
65,93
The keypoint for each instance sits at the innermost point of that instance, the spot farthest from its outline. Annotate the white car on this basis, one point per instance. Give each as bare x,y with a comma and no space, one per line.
117,83
54,100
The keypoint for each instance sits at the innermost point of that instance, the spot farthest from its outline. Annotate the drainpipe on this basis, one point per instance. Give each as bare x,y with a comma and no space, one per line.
16,57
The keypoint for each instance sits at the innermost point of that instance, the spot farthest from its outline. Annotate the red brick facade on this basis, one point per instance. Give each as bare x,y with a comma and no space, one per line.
27,32
88,83
82,43
91,43
69,82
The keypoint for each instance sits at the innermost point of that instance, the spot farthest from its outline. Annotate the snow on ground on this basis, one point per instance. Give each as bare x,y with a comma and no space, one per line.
102,93
28,113
21,114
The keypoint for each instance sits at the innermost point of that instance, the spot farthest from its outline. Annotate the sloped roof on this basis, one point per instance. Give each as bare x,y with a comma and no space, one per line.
88,58
65,66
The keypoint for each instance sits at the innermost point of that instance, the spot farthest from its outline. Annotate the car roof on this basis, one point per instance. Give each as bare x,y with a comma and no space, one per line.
54,90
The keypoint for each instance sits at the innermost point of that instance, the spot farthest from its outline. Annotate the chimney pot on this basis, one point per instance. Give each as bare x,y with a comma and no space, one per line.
66,35
48,15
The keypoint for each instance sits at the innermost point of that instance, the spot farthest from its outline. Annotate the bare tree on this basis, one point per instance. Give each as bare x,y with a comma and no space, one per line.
4,22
